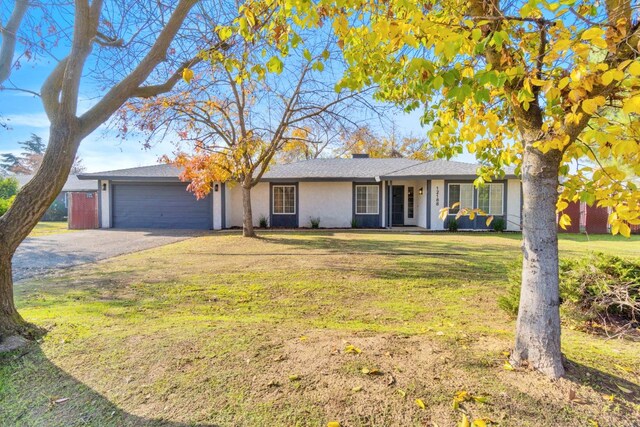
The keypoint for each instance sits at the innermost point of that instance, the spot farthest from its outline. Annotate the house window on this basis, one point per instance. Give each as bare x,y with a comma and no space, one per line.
284,199
410,202
367,199
462,193
490,199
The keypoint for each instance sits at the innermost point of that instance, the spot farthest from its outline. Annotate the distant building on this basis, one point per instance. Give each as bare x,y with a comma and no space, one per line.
59,210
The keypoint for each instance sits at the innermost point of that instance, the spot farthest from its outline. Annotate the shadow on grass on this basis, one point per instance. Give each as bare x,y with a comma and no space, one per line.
34,391
414,259
603,382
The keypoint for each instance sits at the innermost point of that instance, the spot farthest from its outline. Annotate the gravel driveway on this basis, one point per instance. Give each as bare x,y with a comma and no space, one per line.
37,255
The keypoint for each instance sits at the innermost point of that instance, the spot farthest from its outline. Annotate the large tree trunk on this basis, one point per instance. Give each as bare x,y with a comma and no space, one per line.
11,323
29,206
247,219
538,328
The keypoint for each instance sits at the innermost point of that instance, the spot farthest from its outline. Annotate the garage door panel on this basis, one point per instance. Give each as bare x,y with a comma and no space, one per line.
159,206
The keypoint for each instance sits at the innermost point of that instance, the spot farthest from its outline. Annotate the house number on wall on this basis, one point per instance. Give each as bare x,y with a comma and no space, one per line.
437,196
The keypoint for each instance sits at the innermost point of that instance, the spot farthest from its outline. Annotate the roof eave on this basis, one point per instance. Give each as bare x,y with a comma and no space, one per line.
131,178
445,177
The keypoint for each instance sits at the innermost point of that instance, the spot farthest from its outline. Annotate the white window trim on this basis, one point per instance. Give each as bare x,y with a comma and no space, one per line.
473,195
413,202
273,198
488,186
377,212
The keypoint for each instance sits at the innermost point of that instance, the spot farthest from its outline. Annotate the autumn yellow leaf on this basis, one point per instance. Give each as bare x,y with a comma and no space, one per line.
420,404
464,422
592,33
333,424
352,349
187,74
634,68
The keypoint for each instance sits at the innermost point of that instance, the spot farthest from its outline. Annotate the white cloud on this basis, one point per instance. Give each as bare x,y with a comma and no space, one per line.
32,120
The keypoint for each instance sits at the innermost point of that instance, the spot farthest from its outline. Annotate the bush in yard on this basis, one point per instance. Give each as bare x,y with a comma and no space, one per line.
56,212
8,188
602,289
498,224
5,204
451,224
263,222
354,223
315,222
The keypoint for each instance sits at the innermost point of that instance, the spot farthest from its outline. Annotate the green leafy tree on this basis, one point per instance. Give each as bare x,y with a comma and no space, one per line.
8,188
535,84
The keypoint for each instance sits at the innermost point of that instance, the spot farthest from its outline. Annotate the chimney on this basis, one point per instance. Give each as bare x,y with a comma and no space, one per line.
360,156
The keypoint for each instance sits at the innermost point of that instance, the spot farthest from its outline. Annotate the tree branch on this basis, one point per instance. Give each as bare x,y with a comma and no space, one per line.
8,32
114,99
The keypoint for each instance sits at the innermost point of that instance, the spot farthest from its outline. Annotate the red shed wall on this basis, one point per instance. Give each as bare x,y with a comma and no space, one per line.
83,210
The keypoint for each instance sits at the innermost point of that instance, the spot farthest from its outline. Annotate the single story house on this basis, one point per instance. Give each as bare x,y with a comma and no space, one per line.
361,191
59,209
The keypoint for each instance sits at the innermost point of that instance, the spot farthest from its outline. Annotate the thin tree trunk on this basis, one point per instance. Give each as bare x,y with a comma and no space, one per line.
247,220
538,327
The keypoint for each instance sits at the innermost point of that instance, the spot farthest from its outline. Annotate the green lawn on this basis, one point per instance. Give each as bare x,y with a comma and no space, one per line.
221,330
47,228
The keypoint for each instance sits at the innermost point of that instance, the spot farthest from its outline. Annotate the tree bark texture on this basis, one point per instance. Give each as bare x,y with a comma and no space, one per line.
16,224
538,327
247,219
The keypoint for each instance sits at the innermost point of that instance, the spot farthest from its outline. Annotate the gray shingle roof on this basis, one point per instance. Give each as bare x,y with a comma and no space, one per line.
163,171
72,184
318,169
338,168
441,169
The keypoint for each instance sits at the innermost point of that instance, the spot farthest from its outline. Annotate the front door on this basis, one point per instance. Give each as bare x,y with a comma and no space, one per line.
397,205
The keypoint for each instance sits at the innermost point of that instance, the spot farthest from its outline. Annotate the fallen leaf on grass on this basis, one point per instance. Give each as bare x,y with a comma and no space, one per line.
464,422
465,396
333,424
420,404
61,400
352,349
481,422
402,392
624,389
573,397
391,380
304,338
294,377
368,371
508,366
356,389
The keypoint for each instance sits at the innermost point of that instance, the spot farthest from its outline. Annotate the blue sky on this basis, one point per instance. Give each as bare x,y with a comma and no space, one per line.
102,150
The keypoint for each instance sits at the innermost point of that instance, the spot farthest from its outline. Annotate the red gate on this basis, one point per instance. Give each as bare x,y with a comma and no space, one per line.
83,210
597,220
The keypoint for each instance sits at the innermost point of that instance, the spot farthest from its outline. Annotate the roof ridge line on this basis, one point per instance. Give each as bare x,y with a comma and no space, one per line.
411,166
